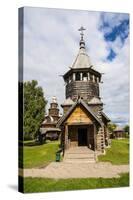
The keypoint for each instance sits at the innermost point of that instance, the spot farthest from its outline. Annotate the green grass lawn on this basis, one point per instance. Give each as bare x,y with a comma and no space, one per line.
35,155
39,155
49,185
118,153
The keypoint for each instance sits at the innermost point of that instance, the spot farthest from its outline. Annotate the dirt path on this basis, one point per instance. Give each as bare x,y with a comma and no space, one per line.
80,170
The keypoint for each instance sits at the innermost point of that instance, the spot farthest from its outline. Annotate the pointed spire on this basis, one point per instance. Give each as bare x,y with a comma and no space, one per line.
82,42
82,60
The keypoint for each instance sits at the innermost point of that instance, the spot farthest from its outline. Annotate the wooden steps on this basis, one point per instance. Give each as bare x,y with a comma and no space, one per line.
79,155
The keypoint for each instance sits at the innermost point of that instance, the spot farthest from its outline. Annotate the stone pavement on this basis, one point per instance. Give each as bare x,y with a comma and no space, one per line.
63,170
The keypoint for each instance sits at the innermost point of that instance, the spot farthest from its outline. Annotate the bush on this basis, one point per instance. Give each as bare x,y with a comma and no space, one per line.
126,135
27,137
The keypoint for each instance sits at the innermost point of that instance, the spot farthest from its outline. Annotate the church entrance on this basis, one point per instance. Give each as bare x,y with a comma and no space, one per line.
82,136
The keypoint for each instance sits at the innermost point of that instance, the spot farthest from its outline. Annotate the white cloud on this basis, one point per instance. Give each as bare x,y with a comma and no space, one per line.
115,89
51,43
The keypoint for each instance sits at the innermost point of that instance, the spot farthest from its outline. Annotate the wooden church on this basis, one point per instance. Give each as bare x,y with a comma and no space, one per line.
48,129
83,122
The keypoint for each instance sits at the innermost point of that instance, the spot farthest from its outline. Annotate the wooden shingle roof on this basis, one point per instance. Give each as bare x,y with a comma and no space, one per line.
105,116
82,60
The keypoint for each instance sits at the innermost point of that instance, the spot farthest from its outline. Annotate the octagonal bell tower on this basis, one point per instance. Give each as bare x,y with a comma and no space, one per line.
81,79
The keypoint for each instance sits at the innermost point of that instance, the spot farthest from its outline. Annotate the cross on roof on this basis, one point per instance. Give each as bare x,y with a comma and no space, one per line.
81,33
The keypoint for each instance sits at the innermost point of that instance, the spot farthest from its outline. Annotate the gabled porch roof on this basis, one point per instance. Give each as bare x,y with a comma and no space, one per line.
78,102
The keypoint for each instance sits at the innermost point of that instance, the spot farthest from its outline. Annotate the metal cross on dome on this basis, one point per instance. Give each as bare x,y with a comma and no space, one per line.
81,33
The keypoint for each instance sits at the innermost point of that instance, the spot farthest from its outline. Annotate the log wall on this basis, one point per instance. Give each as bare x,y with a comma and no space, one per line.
84,89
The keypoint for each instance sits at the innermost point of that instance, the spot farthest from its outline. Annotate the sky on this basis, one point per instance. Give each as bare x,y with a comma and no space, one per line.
51,43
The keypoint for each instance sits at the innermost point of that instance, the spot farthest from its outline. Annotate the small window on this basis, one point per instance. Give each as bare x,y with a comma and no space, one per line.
91,77
77,76
85,77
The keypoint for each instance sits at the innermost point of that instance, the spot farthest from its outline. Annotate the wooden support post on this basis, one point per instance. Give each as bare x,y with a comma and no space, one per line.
88,136
73,76
81,76
88,76
66,136
94,126
93,78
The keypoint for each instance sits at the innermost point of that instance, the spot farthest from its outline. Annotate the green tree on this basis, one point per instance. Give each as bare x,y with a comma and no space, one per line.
111,127
34,108
126,129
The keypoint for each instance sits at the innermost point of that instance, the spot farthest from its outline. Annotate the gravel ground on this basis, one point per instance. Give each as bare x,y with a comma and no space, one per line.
73,170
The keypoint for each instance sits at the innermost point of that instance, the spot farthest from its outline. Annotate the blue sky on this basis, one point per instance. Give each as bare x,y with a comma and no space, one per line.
51,43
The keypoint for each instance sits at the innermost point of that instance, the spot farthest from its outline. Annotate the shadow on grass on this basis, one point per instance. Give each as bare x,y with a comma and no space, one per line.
34,143
30,143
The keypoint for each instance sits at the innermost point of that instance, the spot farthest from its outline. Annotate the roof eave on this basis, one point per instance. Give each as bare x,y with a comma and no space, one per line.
89,69
105,116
